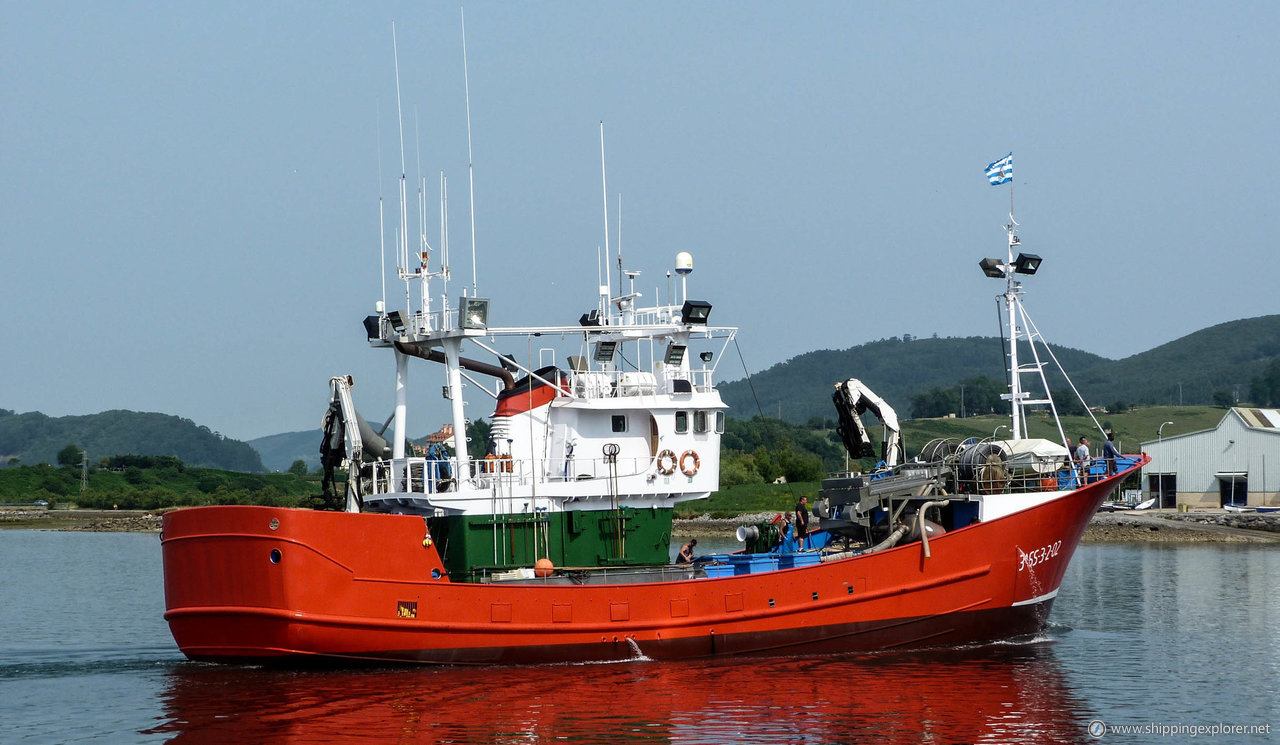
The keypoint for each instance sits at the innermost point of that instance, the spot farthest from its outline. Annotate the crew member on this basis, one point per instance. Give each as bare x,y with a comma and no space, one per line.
802,521
686,552
1110,452
1082,457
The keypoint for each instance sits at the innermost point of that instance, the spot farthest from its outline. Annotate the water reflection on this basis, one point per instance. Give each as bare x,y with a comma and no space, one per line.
998,693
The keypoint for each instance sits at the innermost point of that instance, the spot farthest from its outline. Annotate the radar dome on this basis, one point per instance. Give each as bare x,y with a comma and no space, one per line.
684,262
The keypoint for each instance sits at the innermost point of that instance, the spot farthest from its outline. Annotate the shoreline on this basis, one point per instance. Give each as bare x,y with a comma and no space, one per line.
1156,526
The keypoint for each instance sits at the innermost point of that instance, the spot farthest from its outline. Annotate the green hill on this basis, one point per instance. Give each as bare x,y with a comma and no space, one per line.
278,452
1221,360
800,388
34,438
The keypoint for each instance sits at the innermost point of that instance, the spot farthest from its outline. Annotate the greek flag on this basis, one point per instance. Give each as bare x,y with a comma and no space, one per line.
1001,172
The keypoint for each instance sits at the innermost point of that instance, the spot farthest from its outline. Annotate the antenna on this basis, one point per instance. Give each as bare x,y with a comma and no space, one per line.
382,225
424,247
619,240
466,82
404,209
605,193
446,261
421,185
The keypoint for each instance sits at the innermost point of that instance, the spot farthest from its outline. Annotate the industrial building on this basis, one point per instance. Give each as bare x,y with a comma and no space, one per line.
1235,463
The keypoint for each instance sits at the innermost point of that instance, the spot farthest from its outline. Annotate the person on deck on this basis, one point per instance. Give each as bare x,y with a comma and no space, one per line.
686,552
802,521
1082,458
1110,452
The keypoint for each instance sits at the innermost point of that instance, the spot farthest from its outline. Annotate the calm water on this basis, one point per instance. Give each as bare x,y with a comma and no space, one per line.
1166,635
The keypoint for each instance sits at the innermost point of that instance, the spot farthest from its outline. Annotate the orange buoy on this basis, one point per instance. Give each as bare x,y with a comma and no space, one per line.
543,568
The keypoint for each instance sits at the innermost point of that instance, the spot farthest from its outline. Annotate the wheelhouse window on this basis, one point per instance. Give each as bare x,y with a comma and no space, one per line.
719,422
619,422
699,421
682,422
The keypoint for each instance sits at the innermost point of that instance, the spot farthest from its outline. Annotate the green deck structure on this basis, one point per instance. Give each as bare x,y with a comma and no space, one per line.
473,546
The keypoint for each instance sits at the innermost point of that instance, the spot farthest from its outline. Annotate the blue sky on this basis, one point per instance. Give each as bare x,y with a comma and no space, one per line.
188,208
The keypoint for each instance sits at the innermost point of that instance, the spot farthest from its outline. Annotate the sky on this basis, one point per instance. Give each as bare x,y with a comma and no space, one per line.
189,194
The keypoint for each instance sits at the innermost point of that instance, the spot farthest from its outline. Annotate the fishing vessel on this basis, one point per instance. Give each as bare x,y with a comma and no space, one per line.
555,545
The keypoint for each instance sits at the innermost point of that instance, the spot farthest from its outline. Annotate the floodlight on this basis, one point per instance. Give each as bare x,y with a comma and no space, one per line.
695,311
706,356
993,268
397,320
675,354
604,351
371,327
473,313
1026,263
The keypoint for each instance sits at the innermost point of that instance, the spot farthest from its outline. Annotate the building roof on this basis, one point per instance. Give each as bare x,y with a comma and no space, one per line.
1263,420
1259,418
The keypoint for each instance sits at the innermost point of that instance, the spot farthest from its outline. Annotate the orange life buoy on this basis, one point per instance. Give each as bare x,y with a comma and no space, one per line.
666,462
685,468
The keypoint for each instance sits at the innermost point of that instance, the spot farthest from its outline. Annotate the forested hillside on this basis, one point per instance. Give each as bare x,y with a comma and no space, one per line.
1220,365
897,369
1214,365
280,451
33,438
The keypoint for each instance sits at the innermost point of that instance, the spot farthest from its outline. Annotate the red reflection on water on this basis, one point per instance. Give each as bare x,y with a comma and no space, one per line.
999,693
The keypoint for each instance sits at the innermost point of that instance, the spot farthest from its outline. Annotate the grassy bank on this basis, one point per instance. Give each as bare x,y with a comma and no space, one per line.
749,499
169,484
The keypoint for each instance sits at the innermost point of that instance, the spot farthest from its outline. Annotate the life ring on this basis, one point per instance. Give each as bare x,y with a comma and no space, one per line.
666,462
684,467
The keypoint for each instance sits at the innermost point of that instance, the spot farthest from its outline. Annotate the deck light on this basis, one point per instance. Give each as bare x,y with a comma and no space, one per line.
1026,263
396,318
706,357
993,268
371,327
675,354
473,313
695,311
604,351
591,319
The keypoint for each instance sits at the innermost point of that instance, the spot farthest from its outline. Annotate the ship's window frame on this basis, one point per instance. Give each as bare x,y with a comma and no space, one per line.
682,422
618,422
699,421
719,422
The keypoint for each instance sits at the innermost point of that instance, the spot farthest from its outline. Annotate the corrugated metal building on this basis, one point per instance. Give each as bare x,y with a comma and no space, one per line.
1235,463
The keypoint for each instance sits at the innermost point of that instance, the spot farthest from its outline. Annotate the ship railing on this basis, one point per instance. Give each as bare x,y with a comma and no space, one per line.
604,384
431,475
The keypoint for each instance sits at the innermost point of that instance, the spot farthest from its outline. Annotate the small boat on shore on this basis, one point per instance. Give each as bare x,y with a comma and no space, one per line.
555,545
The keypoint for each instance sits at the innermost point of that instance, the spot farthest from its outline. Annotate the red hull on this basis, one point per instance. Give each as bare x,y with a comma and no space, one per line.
360,586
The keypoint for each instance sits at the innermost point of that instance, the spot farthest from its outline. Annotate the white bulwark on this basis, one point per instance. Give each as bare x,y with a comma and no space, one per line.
1235,463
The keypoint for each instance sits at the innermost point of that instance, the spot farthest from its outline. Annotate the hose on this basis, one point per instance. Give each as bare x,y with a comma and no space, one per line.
888,542
920,526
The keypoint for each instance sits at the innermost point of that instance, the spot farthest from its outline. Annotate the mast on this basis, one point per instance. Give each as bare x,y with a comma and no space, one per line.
471,182
402,362
1012,306
604,190
382,225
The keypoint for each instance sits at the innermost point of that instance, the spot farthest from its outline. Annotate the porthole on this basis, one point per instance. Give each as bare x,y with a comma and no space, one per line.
275,556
